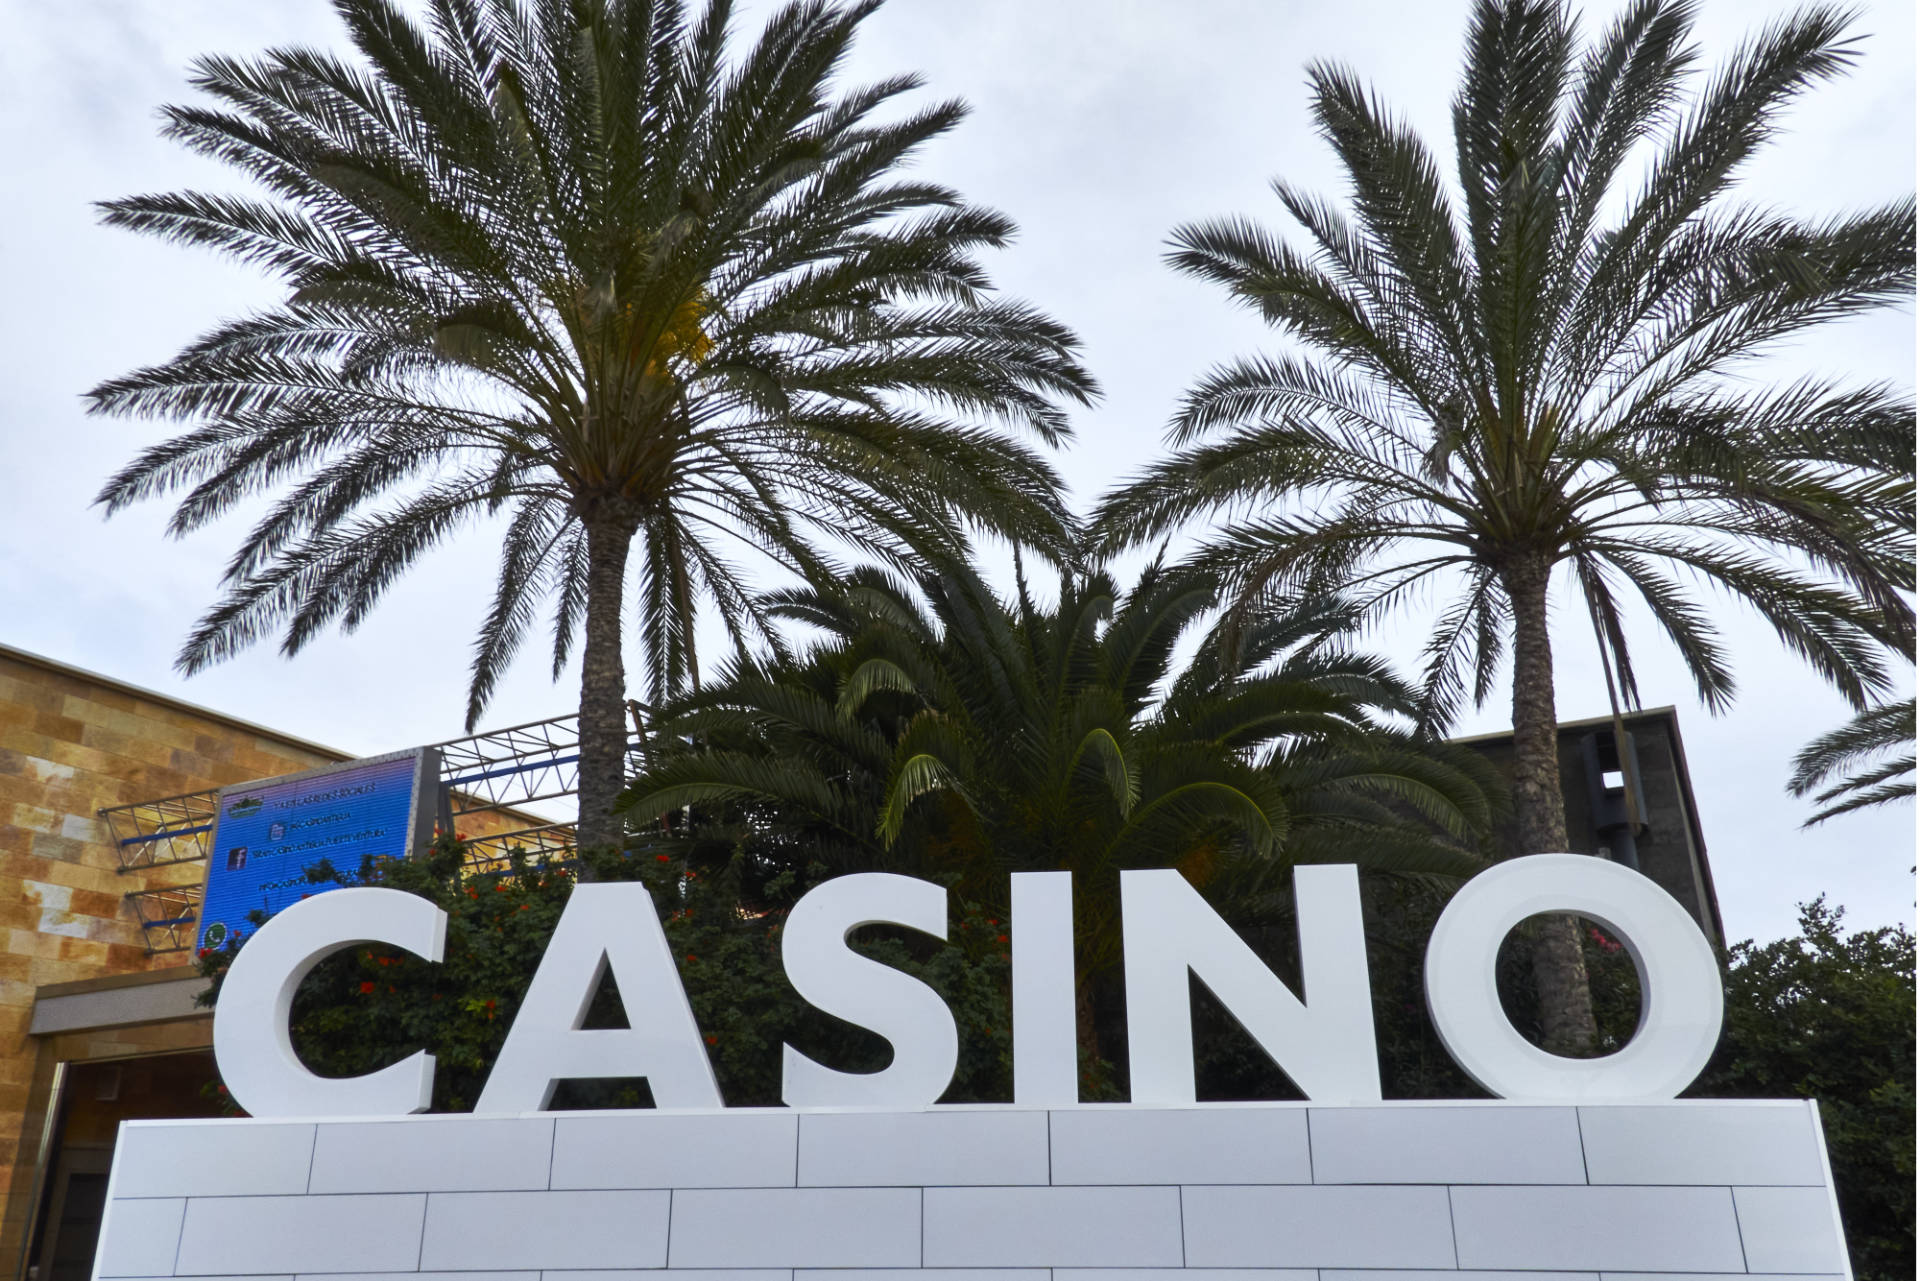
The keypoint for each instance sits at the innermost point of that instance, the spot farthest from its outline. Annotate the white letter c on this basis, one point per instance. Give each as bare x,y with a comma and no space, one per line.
251,1042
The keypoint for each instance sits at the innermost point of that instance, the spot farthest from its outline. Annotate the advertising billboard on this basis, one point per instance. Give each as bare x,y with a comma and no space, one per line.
268,833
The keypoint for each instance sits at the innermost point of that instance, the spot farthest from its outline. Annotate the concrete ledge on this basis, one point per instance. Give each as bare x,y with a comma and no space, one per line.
160,996
1223,1192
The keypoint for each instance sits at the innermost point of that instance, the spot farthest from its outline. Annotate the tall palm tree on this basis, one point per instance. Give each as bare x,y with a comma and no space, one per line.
1529,374
569,264
944,732
1866,762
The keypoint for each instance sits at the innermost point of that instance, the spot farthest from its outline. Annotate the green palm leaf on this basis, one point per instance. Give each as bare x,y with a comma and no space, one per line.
660,294
942,730
1867,762
1533,372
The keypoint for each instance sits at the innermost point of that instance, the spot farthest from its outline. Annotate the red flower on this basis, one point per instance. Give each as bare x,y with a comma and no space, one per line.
662,858
691,958
713,1040
366,989
1000,938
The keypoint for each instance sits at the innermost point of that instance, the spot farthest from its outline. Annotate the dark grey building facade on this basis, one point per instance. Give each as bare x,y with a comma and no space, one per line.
1639,811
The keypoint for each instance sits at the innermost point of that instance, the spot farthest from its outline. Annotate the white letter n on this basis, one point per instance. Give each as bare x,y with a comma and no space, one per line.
1327,1047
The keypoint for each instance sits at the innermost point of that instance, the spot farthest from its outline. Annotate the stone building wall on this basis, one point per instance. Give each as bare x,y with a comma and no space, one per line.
71,744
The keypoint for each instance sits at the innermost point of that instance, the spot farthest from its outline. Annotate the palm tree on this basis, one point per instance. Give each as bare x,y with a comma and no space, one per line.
1530,374
946,733
1876,745
569,265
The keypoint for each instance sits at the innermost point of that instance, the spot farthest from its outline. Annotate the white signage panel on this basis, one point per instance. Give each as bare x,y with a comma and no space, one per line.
1582,1168
1169,1194
1322,1037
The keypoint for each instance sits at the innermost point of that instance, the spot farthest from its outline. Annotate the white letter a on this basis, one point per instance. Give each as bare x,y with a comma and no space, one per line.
604,927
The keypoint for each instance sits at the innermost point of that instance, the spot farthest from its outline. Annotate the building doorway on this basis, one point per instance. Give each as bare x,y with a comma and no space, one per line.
92,1099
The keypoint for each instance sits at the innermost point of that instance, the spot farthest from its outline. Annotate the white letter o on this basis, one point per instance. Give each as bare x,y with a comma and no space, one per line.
1680,993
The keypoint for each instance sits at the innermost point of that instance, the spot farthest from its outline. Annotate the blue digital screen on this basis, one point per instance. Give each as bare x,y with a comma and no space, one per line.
267,835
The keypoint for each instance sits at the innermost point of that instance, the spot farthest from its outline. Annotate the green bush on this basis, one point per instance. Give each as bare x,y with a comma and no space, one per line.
1830,1017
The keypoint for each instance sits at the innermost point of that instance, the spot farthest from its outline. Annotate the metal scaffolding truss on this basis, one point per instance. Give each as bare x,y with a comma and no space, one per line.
510,768
168,917
158,833
499,773
505,770
494,853
162,833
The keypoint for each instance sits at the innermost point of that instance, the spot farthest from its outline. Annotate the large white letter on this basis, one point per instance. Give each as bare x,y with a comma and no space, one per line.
251,1043
1046,1054
1680,997
831,976
605,927
1325,1045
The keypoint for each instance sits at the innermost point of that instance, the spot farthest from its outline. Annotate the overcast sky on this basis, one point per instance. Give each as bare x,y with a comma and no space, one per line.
1098,125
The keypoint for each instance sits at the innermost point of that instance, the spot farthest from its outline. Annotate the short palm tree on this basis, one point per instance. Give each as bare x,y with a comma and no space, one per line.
568,264
1866,762
1529,375
944,732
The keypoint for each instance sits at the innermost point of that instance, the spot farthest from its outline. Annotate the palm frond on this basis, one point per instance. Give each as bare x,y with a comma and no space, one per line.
1851,767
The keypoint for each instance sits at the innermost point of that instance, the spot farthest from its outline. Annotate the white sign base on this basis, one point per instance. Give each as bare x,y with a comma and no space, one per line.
1240,1192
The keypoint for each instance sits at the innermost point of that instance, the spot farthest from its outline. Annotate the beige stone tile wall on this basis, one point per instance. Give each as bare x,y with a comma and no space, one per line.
72,744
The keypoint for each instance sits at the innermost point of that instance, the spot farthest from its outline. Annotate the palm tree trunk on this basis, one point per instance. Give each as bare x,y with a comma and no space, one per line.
1564,1003
603,681
1086,1026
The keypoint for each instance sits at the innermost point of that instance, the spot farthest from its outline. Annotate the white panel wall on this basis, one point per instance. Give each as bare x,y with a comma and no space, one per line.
1242,1192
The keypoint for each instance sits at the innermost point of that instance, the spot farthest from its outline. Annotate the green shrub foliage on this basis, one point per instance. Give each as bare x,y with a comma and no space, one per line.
1830,1016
